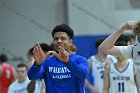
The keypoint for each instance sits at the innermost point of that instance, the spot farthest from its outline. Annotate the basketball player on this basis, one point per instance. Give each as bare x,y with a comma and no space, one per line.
121,77
97,63
130,51
20,85
63,72
7,74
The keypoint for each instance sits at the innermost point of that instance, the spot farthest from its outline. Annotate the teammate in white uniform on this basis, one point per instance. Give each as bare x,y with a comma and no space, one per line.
97,63
98,72
122,81
17,87
20,85
121,77
127,52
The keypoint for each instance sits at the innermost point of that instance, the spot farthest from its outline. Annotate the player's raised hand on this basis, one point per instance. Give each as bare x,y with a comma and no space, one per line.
130,25
39,55
63,55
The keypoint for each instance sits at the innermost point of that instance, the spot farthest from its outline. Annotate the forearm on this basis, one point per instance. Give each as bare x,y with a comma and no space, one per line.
43,88
35,72
91,87
105,91
80,70
110,40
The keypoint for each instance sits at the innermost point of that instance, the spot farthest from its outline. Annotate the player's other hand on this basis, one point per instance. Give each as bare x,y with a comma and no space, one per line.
39,55
63,55
130,25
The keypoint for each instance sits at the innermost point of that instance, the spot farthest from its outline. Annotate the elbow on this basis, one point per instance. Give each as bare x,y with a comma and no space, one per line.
102,49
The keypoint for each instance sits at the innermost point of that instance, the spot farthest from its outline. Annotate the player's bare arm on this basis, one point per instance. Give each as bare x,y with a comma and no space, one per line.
106,80
107,47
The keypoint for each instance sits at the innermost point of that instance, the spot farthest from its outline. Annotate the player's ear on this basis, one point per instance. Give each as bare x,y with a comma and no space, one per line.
70,41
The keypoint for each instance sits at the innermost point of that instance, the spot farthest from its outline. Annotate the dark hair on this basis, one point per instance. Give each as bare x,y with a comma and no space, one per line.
45,47
120,43
98,42
124,38
22,65
30,52
63,28
3,58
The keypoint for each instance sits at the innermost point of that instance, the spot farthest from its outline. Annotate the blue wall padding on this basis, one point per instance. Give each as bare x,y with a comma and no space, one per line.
86,44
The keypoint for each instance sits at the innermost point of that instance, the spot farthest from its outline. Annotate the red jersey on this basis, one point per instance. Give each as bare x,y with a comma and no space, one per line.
6,78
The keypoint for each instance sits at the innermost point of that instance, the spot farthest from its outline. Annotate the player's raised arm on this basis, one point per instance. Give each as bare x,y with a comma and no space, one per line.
107,47
106,80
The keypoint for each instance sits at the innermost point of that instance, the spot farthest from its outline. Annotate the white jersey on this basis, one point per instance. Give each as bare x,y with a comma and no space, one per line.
38,86
132,51
98,72
136,50
17,87
38,83
122,81
112,58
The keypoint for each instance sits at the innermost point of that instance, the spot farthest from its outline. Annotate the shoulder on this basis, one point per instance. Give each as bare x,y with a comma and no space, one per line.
76,57
112,58
14,84
93,58
27,80
126,51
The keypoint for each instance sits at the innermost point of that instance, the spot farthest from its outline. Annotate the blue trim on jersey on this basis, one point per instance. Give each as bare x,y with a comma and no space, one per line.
122,70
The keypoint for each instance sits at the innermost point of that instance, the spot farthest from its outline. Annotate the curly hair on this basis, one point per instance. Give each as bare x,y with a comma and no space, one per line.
63,28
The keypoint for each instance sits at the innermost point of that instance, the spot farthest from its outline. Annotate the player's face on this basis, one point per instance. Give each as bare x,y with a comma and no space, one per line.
21,73
61,39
